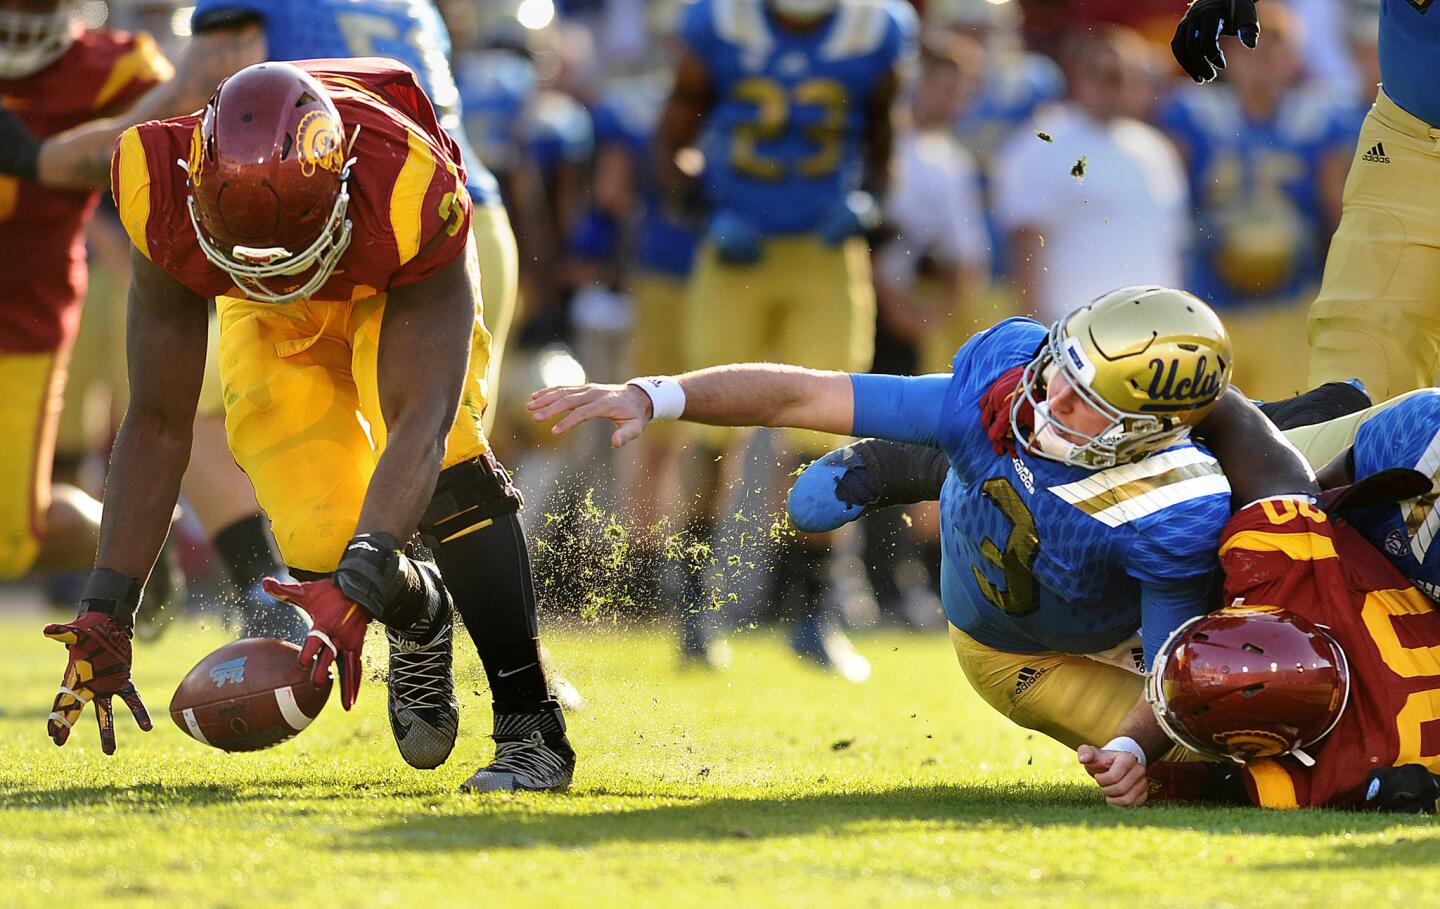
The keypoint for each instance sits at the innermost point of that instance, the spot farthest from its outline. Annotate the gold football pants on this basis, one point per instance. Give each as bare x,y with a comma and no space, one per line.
805,303
1378,313
31,387
1072,698
499,287
302,412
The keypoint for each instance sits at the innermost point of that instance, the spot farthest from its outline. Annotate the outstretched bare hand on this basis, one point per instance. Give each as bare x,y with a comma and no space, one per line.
626,406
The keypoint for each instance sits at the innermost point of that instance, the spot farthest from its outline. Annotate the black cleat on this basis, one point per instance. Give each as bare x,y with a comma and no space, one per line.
531,753
165,594
424,715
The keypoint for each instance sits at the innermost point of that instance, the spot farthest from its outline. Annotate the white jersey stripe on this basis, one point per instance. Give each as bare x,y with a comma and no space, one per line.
1158,499
1103,481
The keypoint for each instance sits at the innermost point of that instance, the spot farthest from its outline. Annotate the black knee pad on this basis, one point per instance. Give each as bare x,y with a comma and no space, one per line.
468,495
1327,402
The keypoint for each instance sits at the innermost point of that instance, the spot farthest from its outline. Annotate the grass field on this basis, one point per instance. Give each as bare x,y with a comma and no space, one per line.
769,785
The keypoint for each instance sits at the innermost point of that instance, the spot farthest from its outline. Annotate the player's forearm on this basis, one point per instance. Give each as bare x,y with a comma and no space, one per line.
150,456
1140,725
1258,461
768,394
404,478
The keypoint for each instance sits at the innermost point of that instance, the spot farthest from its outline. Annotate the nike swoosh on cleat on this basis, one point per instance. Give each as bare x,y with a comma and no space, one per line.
505,675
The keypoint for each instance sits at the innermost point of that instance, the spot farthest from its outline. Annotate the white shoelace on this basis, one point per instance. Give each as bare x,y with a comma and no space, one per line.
529,757
419,672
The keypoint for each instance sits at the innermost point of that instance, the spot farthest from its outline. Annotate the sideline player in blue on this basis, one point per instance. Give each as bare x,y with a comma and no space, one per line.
1378,312
489,577
788,104
1103,521
1259,151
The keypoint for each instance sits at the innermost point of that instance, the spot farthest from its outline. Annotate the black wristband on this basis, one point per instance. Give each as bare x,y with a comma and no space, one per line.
19,148
369,571
112,593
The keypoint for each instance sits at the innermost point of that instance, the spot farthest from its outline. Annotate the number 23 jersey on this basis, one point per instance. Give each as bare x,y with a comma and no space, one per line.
782,144
1042,556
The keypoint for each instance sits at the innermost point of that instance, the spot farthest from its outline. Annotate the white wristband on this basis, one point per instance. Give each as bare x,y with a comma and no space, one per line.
667,398
1125,743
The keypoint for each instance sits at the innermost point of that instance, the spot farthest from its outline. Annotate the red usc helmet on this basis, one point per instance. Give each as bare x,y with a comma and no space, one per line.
1249,682
269,182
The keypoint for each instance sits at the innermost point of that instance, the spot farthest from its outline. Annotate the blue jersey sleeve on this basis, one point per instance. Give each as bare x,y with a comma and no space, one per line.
900,408
696,30
900,39
1166,605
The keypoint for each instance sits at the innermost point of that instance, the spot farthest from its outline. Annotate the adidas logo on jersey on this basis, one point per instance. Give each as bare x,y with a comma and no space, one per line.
1376,154
1027,677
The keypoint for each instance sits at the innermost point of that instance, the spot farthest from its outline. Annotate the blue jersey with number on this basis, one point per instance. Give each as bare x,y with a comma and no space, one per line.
628,116
410,31
1405,435
1410,56
1261,233
1042,556
783,142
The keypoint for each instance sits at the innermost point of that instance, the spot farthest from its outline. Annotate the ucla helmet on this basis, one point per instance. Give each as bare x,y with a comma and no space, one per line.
1152,360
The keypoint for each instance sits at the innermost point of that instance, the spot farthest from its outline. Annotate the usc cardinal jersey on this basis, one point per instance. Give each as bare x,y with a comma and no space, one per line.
42,231
408,204
1289,554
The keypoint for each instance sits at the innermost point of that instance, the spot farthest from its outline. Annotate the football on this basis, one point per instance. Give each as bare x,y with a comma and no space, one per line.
248,695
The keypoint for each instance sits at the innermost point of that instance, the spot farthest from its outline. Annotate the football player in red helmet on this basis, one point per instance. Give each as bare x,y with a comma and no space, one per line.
1322,681
324,208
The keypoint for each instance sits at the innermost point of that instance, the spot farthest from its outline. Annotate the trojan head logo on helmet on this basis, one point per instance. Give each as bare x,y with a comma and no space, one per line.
1249,682
1150,362
33,35
269,182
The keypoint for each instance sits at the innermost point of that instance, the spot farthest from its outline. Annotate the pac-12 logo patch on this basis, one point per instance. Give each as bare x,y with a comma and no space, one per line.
1396,544
319,143
229,672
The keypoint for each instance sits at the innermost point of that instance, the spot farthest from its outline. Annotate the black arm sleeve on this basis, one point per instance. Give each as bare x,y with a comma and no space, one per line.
19,149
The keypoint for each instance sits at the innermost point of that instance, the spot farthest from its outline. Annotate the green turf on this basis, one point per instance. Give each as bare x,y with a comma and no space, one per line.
770,785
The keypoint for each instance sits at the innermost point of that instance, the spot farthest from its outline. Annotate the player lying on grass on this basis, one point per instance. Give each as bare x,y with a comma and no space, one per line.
1281,552
1105,518
325,209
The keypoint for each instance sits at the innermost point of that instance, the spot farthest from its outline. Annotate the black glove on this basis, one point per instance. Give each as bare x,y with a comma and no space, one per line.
1410,789
19,149
1196,44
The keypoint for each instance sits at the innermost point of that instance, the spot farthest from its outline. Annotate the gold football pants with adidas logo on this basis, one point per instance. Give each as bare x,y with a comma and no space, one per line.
1377,317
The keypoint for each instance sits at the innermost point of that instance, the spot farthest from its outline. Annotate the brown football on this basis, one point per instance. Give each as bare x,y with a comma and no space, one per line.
247,695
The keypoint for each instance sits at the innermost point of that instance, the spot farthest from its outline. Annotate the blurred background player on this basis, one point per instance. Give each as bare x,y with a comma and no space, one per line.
1376,316
789,104
55,73
1264,172
1098,201
652,252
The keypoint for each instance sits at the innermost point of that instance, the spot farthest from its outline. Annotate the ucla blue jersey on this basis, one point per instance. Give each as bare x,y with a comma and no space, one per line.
783,142
410,31
1261,232
628,116
1410,56
1038,555
1406,435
